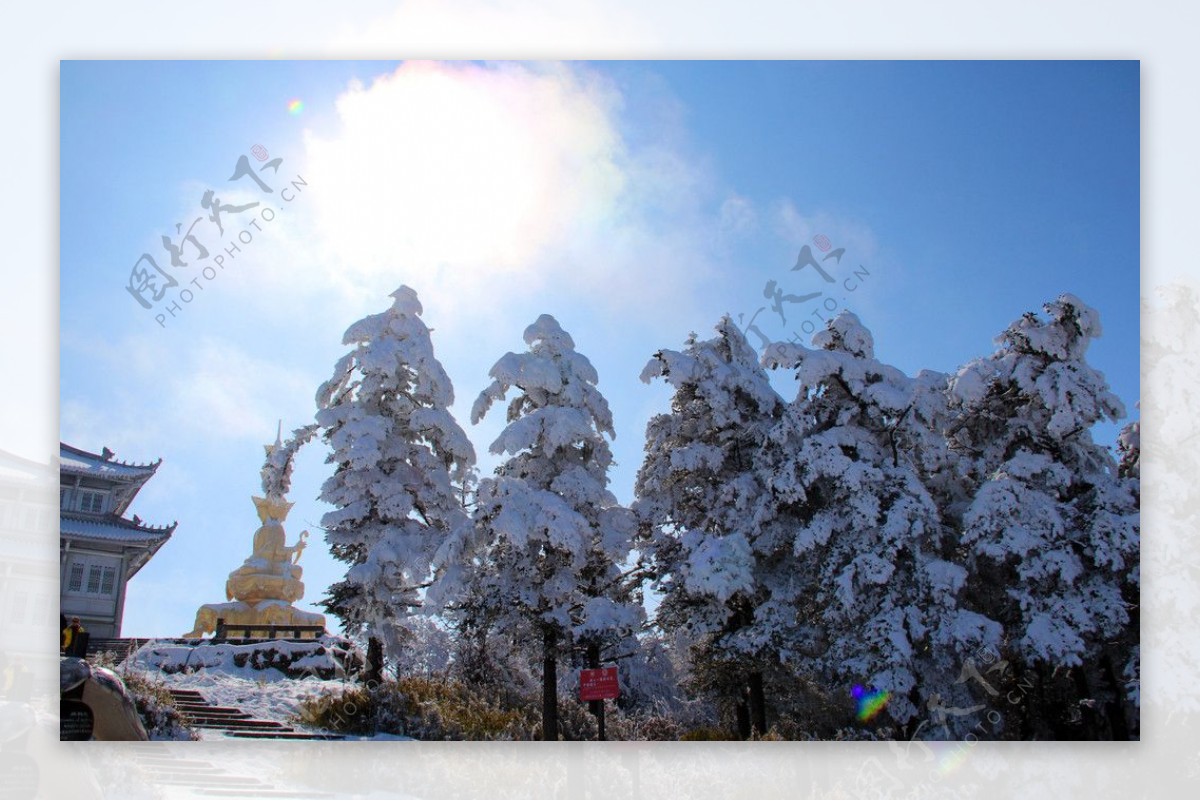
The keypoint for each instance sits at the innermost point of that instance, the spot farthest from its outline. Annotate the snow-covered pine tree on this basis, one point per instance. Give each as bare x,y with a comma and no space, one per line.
1052,530
551,538
1113,509
399,456
1129,445
848,462
277,468
711,553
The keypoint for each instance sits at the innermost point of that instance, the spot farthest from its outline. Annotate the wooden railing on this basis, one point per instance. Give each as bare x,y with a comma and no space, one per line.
264,632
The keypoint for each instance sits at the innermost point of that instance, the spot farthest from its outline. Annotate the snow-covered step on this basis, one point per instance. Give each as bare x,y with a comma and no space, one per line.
201,711
121,646
241,725
284,735
234,722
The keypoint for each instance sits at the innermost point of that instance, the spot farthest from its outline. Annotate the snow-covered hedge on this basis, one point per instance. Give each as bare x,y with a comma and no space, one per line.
325,658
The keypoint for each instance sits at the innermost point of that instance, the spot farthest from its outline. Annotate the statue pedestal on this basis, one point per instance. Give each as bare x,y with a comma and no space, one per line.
255,587
239,616
327,657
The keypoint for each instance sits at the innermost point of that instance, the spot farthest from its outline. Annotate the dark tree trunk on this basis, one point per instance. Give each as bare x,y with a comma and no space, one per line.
743,715
758,704
596,707
373,675
1091,726
1116,707
549,684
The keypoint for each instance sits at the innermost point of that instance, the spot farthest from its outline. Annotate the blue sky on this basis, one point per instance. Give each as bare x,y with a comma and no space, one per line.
634,201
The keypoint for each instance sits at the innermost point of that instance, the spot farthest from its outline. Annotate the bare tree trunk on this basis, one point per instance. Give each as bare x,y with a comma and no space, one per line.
1115,708
743,714
596,707
549,683
758,704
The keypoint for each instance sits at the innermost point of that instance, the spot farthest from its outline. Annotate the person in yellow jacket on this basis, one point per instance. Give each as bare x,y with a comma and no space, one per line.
68,634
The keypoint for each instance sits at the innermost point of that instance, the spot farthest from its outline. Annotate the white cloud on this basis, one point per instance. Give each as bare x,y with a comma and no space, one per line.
738,217
799,228
211,389
123,412
223,388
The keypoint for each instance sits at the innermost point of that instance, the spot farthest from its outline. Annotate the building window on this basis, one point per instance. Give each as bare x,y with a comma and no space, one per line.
93,585
92,578
107,580
76,582
91,501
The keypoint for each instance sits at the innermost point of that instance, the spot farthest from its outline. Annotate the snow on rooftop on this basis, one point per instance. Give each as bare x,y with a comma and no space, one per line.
110,530
74,460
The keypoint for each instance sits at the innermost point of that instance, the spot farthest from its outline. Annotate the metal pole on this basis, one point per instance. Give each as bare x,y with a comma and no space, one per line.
596,707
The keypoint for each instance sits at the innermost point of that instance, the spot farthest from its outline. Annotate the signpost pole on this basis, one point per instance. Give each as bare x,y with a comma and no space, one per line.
597,706
597,684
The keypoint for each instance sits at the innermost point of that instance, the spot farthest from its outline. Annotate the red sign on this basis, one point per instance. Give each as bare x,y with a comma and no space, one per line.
596,685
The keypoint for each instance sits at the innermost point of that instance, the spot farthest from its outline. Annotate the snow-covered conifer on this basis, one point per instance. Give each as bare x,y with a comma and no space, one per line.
1052,530
277,468
1129,444
398,455
551,538
710,547
875,593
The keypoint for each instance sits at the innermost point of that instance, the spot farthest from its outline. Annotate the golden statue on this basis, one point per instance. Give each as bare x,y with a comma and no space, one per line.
264,588
270,572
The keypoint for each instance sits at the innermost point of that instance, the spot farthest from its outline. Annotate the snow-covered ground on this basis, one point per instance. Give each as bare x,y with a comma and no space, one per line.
274,698
265,694
266,697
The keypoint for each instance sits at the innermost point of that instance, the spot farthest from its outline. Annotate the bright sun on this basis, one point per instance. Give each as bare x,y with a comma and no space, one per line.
461,166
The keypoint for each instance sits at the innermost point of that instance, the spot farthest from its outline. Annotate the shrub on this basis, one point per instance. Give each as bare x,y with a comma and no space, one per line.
657,727
444,709
156,706
434,708
701,733
351,711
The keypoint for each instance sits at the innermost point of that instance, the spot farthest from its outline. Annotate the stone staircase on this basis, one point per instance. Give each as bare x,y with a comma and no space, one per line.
233,722
121,646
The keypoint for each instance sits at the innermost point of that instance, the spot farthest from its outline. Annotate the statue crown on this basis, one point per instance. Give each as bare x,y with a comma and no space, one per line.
272,508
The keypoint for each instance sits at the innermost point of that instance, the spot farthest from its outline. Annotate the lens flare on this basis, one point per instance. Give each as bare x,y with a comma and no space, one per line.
948,763
870,702
295,106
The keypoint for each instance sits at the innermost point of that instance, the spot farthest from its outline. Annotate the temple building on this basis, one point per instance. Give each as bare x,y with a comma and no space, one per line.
99,548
